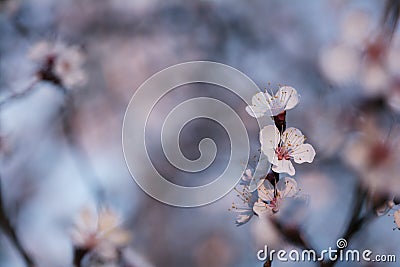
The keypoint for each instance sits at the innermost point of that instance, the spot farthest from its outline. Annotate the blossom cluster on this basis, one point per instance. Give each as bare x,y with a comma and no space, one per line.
363,55
281,147
59,63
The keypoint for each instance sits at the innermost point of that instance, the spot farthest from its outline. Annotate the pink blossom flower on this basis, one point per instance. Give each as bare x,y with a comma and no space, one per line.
282,148
270,199
264,104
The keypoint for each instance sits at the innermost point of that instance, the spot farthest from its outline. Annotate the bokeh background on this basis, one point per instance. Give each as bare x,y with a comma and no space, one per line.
53,164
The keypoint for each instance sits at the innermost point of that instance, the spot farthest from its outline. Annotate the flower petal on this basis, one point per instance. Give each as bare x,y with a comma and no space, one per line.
288,96
118,237
266,191
259,105
396,216
284,166
243,217
269,139
303,153
260,208
246,177
287,187
340,63
106,251
292,138
374,79
356,28
108,220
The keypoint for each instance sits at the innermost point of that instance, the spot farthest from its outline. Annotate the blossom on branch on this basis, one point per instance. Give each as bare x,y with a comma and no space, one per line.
270,198
100,234
59,63
280,149
264,104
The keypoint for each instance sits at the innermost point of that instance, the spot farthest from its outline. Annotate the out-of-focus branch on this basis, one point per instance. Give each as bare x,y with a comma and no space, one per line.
9,230
19,94
79,254
268,263
82,160
391,16
293,234
357,219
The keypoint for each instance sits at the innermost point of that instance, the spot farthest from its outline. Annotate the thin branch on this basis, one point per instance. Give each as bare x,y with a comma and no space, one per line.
19,94
357,221
391,16
293,235
9,230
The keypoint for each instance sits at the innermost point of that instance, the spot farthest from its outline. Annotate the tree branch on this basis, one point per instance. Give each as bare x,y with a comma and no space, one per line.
9,230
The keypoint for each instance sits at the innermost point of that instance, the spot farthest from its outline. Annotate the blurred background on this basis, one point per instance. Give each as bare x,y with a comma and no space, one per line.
60,129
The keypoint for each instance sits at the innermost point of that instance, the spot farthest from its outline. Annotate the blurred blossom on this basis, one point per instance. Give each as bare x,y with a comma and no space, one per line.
385,208
59,63
281,149
361,53
102,234
266,200
215,251
326,129
375,155
265,104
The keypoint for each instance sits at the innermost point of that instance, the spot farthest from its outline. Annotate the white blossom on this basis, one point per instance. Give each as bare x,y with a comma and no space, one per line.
375,156
101,234
264,104
270,198
282,148
65,62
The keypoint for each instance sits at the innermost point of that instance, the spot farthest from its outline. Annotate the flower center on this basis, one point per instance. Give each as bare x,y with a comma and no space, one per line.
274,205
282,153
379,154
375,51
